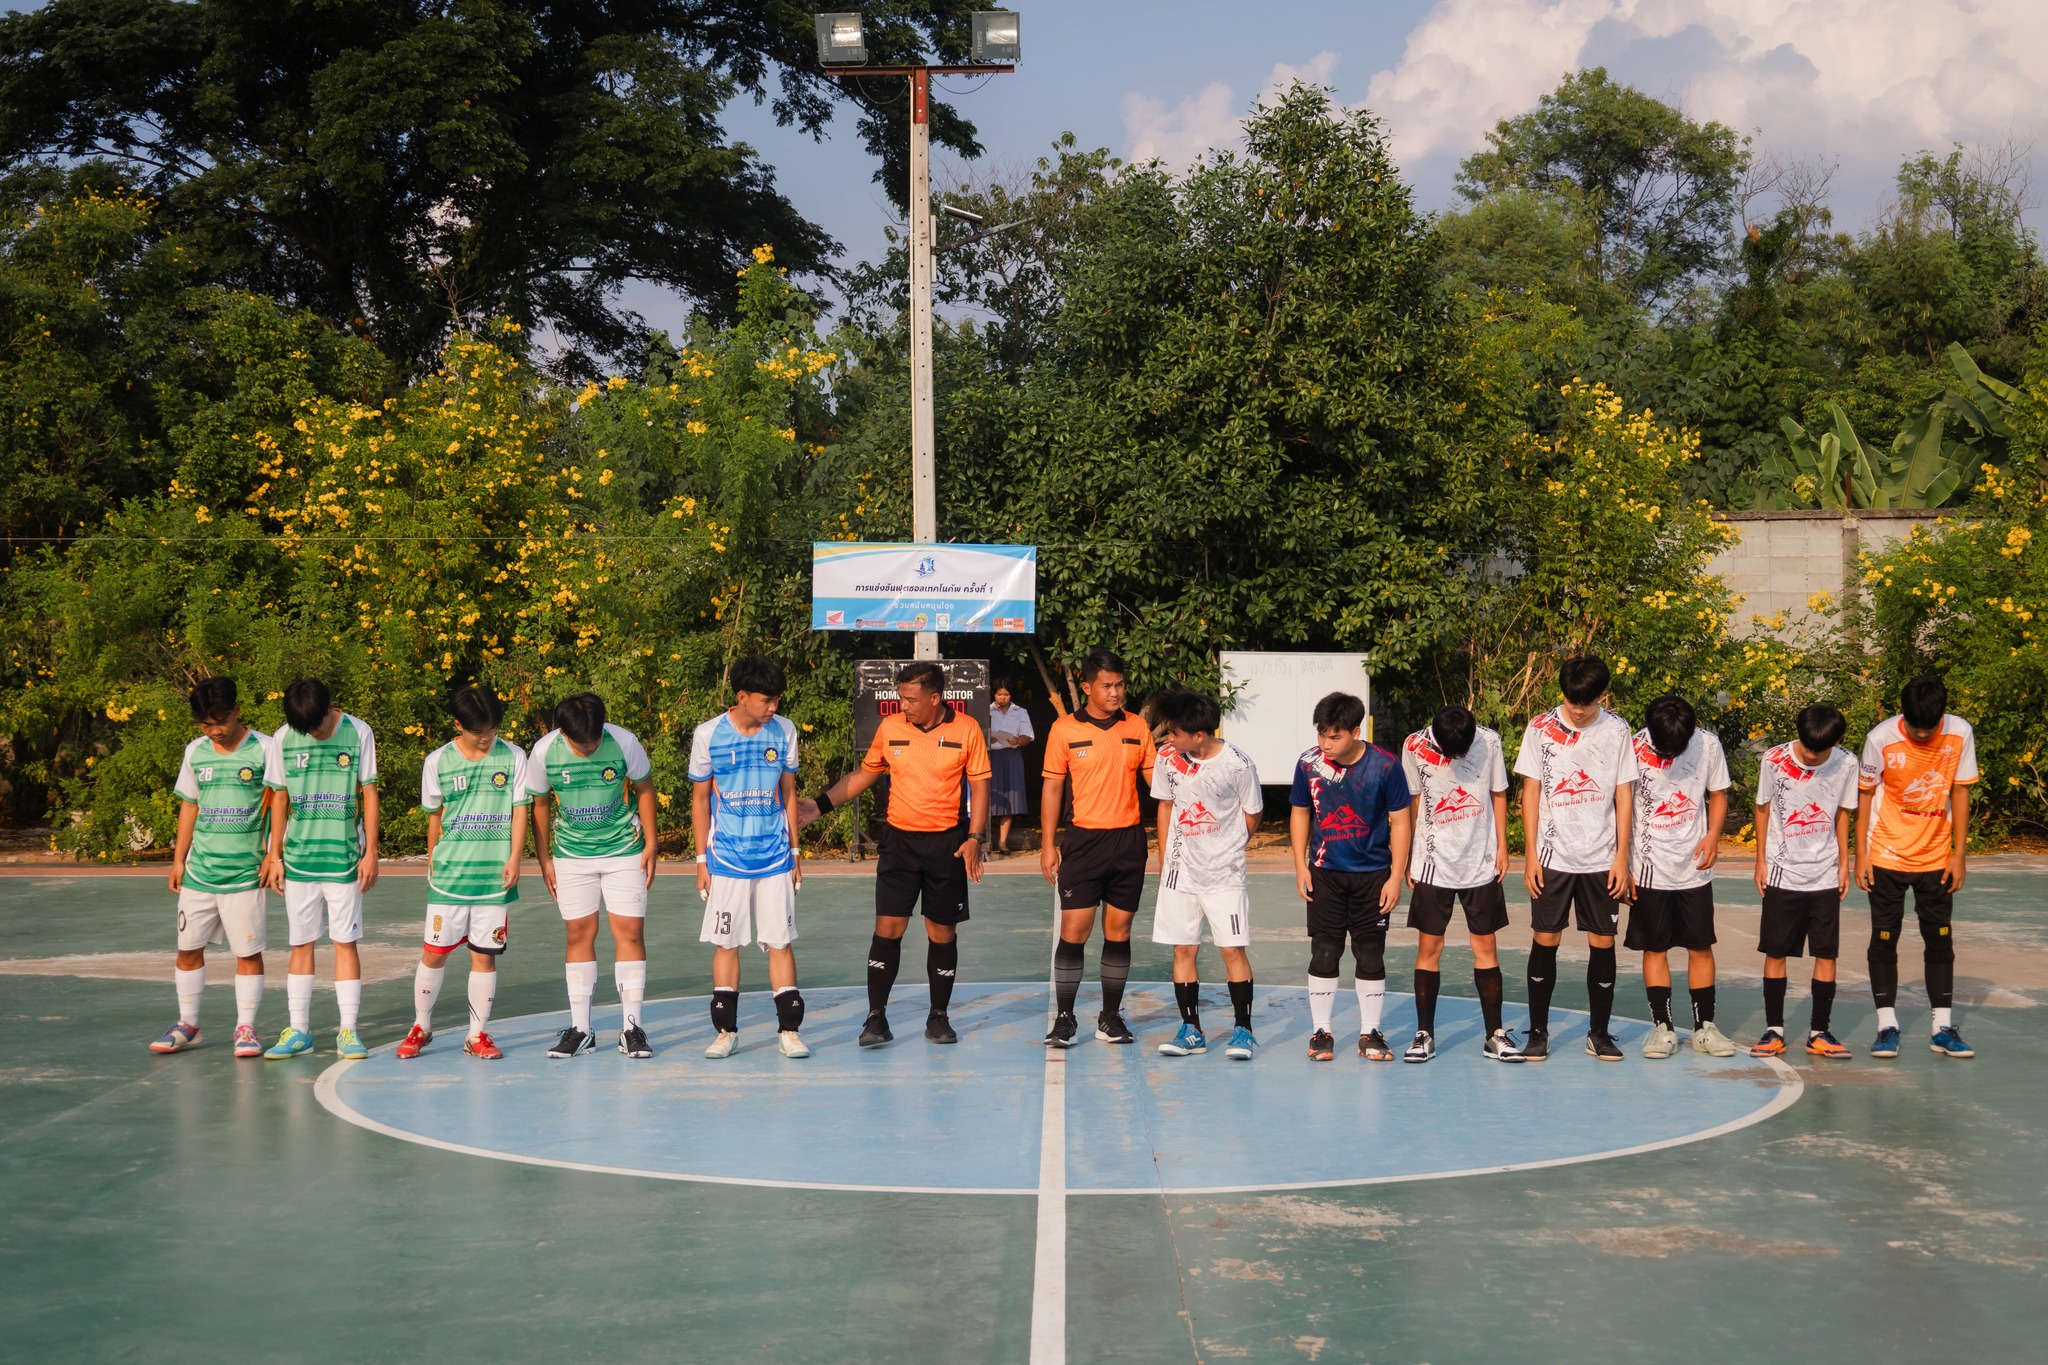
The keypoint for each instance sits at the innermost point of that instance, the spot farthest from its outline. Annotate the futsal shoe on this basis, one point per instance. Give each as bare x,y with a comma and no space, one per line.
1241,1045
1189,1042
1063,1029
791,1045
939,1029
1823,1044
1662,1042
572,1041
1111,1028
482,1048
290,1043
1887,1044
348,1046
1949,1043
1601,1044
1374,1047
632,1043
177,1038
1500,1047
875,1032
1710,1040
1537,1049
247,1044
414,1042
1422,1049
722,1046
1772,1044
1322,1046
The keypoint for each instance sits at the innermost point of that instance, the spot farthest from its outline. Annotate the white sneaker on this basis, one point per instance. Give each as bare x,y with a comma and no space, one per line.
1662,1042
791,1044
1710,1040
722,1045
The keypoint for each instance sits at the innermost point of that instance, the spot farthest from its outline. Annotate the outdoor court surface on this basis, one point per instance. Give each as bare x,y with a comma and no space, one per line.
904,1205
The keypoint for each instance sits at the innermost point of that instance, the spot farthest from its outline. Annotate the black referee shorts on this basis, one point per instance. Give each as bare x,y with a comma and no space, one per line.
1102,867
922,867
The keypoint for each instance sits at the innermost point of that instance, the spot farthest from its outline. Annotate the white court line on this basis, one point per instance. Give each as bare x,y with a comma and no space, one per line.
1049,1271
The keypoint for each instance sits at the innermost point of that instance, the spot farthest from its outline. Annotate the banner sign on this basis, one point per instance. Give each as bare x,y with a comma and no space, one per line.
965,589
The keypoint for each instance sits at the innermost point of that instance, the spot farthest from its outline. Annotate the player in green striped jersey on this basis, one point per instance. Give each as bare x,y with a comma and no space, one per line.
217,863
323,853
473,792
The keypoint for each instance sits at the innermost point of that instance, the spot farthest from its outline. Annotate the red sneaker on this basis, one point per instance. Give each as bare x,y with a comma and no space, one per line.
482,1046
414,1042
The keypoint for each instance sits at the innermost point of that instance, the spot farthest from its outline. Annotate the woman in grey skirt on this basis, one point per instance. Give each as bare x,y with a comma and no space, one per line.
1009,730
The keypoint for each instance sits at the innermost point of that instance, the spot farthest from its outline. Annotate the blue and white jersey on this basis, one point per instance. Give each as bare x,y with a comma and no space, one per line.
749,828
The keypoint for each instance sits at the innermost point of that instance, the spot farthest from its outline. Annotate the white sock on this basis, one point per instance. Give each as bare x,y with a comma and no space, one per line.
1372,997
1887,1017
483,989
248,995
632,982
582,978
191,988
426,989
298,1000
348,997
1943,1018
1322,999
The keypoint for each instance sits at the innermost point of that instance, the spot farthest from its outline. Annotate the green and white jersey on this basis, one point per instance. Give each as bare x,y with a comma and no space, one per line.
229,838
476,798
323,841
594,817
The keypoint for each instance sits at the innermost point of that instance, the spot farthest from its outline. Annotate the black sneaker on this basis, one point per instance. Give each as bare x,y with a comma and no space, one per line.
1374,1047
1321,1046
876,1031
1601,1044
573,1041
1061,1034
1111,1028
1537,1049
939,1029
633,1042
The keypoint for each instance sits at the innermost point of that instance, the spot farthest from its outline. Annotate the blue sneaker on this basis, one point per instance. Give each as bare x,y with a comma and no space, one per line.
290,1043
1887,1044
1241,1045
1187,1043
1949,1043
348,1046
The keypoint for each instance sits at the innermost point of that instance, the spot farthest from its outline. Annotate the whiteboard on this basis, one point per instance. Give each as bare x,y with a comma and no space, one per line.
1277,693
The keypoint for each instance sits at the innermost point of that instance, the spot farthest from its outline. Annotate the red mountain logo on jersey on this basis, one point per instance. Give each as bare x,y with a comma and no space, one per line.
1424,751
1928,788
1808,819
1458,805
1647,753
1553,729
1194,818
1344,823
1781,759
1675,809
1576,789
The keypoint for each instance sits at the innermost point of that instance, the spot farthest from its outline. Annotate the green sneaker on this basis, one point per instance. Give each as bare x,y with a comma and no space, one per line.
349,1047
1662,1042
1710,1040
290,1043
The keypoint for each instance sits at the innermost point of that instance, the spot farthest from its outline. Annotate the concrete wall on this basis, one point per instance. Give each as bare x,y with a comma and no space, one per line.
1783,558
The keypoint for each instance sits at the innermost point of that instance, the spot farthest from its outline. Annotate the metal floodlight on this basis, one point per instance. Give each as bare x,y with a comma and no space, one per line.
995,35
964,215
840,41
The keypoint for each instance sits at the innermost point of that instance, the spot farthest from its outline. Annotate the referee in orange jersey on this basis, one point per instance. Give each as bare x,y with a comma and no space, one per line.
1102,752
928,855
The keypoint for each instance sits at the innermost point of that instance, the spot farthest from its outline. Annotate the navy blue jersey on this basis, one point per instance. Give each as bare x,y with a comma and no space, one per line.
1351,805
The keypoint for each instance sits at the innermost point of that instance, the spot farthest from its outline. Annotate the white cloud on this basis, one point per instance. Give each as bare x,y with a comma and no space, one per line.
1209,119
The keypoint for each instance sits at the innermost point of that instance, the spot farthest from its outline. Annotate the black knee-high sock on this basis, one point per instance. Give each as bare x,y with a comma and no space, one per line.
1660,1004
1884,975
1702,1005
1600,987
941,964
884,956
1187,995
1426,986
1116,970
789,1009
1542,981
1941,979
1823,1005
1067,961
725,1010
1774,1001
1487,980
1241,1003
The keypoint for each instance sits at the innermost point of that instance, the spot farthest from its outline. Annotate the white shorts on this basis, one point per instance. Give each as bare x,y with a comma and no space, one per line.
740,908
482,927
1177,918
581,884
231,917
303,902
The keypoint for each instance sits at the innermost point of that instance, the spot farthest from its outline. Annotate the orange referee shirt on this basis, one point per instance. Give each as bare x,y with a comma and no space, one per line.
1102,765
926,767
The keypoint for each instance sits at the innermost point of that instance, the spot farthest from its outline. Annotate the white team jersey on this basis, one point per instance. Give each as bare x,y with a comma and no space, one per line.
1801,855
1455,838
1579,771
1671,811
1211,797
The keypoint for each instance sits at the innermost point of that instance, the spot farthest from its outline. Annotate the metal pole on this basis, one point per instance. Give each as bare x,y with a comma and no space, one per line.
923,442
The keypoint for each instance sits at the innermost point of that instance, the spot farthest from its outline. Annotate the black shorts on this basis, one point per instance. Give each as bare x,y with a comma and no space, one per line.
1342,903
1429,908
1661,920
1573,897
1102,866
1932,901
1796,920
921,869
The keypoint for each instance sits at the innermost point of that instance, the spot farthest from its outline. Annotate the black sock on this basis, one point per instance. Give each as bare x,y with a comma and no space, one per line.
1067,961
1660,1004
1241,1003
884,956
1884,978
1941,982
1188,996
789,1009
1116,970
1702,1005
1542,981
1823,1004
1774,1001
725,1010
941,964
1488,982
1426,986
1600,987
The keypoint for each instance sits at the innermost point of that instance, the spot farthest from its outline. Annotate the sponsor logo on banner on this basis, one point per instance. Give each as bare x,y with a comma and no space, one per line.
1009,623
945,621
927,566
835,618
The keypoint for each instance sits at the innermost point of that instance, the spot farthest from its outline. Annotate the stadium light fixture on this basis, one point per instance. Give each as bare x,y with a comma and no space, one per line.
840,39
995,36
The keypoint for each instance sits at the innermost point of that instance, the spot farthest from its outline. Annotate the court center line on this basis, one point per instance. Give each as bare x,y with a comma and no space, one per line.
1049,1272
